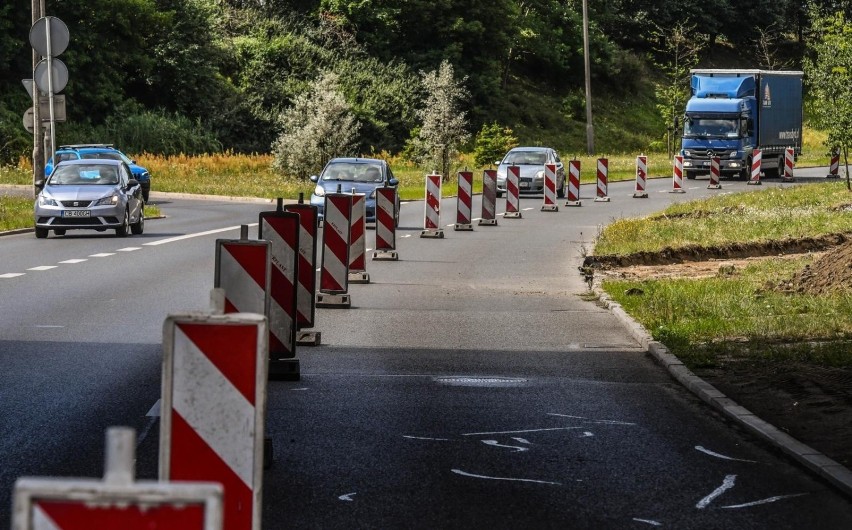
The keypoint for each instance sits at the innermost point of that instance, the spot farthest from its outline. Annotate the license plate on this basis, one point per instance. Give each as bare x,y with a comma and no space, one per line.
525,184
76,213
706,162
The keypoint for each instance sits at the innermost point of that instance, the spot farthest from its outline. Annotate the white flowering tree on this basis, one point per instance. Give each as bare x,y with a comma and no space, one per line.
829,75
443,123
319,126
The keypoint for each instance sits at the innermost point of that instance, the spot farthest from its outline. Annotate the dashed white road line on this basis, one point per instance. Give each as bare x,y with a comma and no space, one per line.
102,255
42,268
73,261
190,236
12,274
129,249
527,209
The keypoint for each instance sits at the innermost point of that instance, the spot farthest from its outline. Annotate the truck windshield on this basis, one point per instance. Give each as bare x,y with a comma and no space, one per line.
718,127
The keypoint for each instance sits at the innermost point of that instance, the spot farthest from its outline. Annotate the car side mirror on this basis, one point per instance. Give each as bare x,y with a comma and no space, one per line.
393,182
132,183
314,178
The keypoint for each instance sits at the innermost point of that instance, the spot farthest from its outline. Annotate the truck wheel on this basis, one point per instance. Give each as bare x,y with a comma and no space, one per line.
690,175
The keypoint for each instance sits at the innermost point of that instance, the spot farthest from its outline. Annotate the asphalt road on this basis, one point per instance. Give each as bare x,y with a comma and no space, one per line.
469,386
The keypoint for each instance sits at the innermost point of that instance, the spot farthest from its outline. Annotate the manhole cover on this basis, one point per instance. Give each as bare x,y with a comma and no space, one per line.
481,381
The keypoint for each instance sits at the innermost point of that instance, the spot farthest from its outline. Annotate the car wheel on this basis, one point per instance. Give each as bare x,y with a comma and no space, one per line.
690,175
124,229
139,226
41,233
145,194
59,231
499,194
560,191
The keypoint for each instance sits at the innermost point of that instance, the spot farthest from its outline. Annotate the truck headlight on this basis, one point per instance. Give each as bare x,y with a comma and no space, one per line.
687,153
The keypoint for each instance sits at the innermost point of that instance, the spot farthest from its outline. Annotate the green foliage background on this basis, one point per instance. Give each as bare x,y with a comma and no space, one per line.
197,76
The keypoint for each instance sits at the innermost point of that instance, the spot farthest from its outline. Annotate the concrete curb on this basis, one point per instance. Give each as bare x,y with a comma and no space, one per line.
816,462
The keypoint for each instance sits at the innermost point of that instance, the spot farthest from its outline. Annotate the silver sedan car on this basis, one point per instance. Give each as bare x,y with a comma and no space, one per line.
90,194
531,161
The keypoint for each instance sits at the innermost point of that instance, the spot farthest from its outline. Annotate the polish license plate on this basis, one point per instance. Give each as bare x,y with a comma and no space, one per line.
706,163
525,184
76,213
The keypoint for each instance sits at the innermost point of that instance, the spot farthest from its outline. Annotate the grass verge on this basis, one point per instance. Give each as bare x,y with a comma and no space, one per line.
17,212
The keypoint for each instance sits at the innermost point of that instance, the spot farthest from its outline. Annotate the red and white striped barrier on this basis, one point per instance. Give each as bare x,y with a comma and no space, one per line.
756,162
118,501
307,288
677,175
603,180
214,408
715,173
549,189
464,202
432,208
281,229
385,225
641,177
243,270
358,240
489,198
789,164
513,182
334,273
834,166
573,196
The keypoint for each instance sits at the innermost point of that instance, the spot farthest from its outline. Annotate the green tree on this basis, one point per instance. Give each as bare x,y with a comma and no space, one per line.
443,122
492,142
829,75
319,126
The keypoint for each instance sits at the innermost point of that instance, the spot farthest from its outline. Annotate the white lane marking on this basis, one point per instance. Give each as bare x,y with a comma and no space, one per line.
728,483
190,236
12,274
649,521
297,389
525,209
464,474
521,440
477,218
763,501
129,249
406,235
42,268
48,326
604,422
523,431
73,261
515,447
717,455
348,497
102,255
451,225
425,438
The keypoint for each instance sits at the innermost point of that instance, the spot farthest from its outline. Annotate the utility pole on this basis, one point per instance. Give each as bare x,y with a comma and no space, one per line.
590,130
38,8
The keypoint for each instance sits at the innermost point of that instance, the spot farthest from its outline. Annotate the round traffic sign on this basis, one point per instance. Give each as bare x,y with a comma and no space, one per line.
60,75
59,36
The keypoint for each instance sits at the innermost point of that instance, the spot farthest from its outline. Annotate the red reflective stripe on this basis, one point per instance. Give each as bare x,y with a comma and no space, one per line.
252,258
79,516
223,346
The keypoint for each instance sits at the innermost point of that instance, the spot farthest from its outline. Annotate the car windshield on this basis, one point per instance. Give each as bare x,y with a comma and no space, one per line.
353,171
103,156
520,158
727,128
80,174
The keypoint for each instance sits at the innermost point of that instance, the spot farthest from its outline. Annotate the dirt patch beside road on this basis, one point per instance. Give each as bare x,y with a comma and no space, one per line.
811,403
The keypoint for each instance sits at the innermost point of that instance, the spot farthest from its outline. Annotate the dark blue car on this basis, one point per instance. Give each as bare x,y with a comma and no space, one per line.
103,152
363,175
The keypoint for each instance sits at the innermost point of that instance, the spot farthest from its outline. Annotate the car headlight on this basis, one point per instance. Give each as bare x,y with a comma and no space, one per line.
372,194
539,175
112,200
319,191
46,200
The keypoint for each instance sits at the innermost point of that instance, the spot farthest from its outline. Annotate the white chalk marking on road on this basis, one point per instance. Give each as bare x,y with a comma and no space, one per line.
717,455
12,274
567,416
728,483
348,497
515,447
521,440
587,434
763,501
460,472
190,236
102,255
297,389
74,261
129,249
648,521
519,432
425,438
42,268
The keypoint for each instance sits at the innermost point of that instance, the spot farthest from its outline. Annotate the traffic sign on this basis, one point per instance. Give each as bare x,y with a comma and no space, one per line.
59,36
60,75
28,85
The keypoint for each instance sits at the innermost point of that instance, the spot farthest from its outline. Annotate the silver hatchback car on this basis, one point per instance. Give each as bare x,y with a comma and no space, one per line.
90,194
531,161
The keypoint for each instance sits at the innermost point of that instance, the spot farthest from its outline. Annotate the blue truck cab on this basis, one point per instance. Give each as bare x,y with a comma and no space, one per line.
733,112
